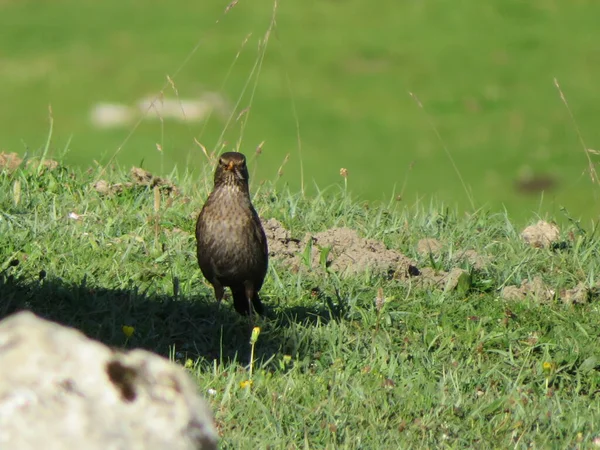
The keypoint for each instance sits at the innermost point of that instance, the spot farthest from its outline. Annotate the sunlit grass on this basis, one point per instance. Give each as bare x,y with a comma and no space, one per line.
361,362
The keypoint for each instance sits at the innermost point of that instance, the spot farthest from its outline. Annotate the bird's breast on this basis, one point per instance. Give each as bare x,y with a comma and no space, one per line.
229,226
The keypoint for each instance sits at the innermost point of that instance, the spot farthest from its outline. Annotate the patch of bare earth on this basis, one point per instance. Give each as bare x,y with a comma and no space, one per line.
541,235
474,259
433,247
537,290
139,177
429,246
344,252
580,294
11,161
455,279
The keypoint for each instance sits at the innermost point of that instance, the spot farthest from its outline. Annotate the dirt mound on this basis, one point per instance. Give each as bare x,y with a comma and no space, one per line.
343,251
540,291
535,288
340,249
11,161
281,244
479,262
429,246
349,253
433,247
542,234
140,177
429,278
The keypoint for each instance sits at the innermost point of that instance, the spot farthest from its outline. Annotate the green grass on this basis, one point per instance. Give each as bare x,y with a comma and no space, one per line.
431,369
483,70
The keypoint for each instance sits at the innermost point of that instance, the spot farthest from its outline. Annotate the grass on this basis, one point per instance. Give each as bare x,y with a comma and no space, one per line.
331,369
342,73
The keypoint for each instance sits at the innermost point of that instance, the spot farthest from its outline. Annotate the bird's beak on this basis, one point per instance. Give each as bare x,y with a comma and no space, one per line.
229,166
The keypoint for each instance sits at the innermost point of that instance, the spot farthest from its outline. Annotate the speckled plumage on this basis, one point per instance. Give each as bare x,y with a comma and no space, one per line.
231,243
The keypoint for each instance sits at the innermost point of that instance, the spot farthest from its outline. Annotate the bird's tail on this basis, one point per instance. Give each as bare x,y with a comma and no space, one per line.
241,305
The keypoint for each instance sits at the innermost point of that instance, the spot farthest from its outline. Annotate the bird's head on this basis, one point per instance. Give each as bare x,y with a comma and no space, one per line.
232,171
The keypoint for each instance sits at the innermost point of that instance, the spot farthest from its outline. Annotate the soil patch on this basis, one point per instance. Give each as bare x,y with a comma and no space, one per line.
139,177
542,234
11,161
343,251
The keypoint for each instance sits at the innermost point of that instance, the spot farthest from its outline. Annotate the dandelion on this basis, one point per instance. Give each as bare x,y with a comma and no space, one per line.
188,363
254,336
245,384
549,368
128,331
212,392
253,339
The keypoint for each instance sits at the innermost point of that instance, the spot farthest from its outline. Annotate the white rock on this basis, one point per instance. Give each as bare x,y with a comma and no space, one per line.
60,390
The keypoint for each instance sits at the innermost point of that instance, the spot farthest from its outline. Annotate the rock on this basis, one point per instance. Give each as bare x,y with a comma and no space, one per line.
542,234
61,390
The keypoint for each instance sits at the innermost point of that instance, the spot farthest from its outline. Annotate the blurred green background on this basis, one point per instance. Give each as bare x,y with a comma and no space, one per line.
483,71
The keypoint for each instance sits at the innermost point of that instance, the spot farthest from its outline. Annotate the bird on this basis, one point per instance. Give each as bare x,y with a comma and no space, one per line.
231,244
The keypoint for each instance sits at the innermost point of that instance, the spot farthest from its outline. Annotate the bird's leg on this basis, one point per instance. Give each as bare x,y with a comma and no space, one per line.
249,290
219,293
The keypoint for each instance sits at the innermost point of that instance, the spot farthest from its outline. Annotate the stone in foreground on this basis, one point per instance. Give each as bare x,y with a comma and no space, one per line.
61,390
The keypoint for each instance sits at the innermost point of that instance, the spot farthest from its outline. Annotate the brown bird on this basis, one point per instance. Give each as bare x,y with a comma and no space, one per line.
231,243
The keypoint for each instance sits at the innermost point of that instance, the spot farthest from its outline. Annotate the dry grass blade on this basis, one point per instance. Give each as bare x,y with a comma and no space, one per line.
446,150
587,151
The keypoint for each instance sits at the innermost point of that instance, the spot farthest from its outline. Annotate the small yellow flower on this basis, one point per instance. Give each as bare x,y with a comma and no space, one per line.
128,331
254,336
548,366
245,384
189,363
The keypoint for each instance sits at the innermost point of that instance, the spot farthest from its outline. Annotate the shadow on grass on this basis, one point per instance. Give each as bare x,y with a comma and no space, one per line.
183,326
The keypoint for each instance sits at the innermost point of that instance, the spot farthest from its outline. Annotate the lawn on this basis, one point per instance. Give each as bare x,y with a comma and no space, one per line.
336,74
334,367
